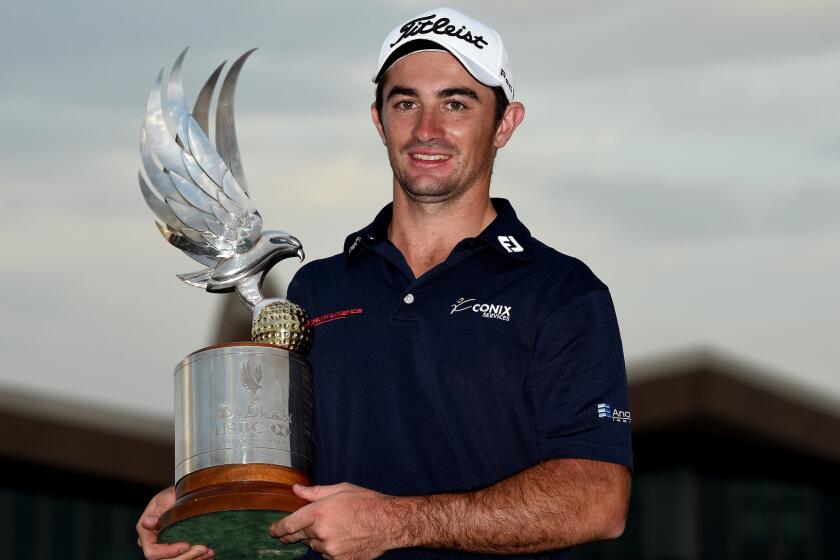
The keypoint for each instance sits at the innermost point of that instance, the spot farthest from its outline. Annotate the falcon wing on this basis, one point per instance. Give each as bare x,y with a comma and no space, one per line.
196,190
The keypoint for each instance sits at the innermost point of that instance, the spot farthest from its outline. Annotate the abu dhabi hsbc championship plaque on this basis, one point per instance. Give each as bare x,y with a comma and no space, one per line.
243,411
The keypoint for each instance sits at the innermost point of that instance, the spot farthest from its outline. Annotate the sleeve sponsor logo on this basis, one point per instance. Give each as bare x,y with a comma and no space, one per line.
605,410
487,310
334,316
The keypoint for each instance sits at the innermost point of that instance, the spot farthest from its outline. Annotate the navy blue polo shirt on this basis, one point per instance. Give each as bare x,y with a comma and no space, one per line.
505,355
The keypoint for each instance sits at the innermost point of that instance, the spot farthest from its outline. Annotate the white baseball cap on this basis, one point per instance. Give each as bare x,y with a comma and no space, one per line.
478,47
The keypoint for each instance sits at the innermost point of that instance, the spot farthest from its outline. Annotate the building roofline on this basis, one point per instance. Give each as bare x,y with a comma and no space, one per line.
90,439
703,357
704,390
83,414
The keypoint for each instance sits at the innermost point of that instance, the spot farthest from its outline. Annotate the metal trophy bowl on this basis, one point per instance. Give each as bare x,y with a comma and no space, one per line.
243,411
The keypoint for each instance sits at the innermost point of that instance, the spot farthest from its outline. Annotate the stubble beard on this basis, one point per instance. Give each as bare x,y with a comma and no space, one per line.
444,190
438,191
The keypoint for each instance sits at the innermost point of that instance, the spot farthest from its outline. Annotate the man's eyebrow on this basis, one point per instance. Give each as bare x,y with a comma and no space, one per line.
458,91
402,90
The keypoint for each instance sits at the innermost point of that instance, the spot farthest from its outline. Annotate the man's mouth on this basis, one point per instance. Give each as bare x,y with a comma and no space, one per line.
430,157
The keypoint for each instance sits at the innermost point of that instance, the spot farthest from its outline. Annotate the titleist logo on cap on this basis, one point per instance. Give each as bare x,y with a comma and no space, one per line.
427,24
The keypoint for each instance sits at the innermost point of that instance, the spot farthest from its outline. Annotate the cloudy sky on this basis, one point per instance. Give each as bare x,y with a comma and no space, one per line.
688,151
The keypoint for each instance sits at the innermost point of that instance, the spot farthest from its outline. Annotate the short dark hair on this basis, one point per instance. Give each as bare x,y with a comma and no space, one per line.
501,101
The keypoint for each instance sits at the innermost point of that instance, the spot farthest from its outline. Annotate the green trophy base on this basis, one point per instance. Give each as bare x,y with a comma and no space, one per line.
234,535
230,508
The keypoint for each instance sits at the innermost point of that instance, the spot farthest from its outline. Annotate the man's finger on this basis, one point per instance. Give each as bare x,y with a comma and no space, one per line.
147,533
147,539
149,522
154,551
292,538
194,553
207,555
313,493
292,523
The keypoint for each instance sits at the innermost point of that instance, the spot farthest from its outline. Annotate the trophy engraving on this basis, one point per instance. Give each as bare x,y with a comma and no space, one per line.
243,411
251,377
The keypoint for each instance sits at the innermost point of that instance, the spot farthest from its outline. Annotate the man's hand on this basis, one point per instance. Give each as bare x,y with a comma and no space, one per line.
342,522
148,534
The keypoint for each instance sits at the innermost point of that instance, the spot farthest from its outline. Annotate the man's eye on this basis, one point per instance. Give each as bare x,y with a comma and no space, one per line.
455,105
405,104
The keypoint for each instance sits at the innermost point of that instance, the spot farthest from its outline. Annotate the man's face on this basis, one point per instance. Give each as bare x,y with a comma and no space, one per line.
437,122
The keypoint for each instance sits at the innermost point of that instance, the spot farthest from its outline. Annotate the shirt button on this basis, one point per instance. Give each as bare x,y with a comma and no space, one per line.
409,298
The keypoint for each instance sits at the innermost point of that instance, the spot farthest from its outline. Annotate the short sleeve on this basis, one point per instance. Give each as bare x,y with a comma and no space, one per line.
578,384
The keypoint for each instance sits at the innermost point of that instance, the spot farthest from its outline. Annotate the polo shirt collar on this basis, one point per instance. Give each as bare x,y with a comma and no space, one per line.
377,230
506,234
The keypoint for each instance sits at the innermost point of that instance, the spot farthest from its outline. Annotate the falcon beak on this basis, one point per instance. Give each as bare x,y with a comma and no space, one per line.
301,255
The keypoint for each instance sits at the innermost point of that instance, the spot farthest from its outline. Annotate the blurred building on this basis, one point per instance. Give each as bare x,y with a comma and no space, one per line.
730,464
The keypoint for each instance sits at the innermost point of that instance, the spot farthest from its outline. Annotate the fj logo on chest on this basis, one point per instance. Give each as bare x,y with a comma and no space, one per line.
487,310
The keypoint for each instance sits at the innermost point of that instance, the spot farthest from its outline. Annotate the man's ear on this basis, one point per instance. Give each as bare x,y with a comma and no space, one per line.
377,122
514,113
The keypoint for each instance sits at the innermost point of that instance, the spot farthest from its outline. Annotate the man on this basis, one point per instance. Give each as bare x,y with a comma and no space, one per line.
462,401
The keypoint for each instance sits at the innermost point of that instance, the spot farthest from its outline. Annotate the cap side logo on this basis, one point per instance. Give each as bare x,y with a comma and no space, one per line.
424,25
509,85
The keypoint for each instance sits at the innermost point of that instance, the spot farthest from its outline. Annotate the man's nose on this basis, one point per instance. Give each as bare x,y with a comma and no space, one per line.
428,126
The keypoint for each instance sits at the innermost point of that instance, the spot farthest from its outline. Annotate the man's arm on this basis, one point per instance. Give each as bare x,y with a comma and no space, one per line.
556,504
552,505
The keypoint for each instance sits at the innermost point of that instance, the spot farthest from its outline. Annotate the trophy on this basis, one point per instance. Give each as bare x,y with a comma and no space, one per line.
243,411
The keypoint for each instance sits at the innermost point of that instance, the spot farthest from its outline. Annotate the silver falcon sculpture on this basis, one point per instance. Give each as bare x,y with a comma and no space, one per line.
199,191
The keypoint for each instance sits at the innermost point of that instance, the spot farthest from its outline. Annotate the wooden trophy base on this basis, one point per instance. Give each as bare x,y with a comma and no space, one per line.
230,508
